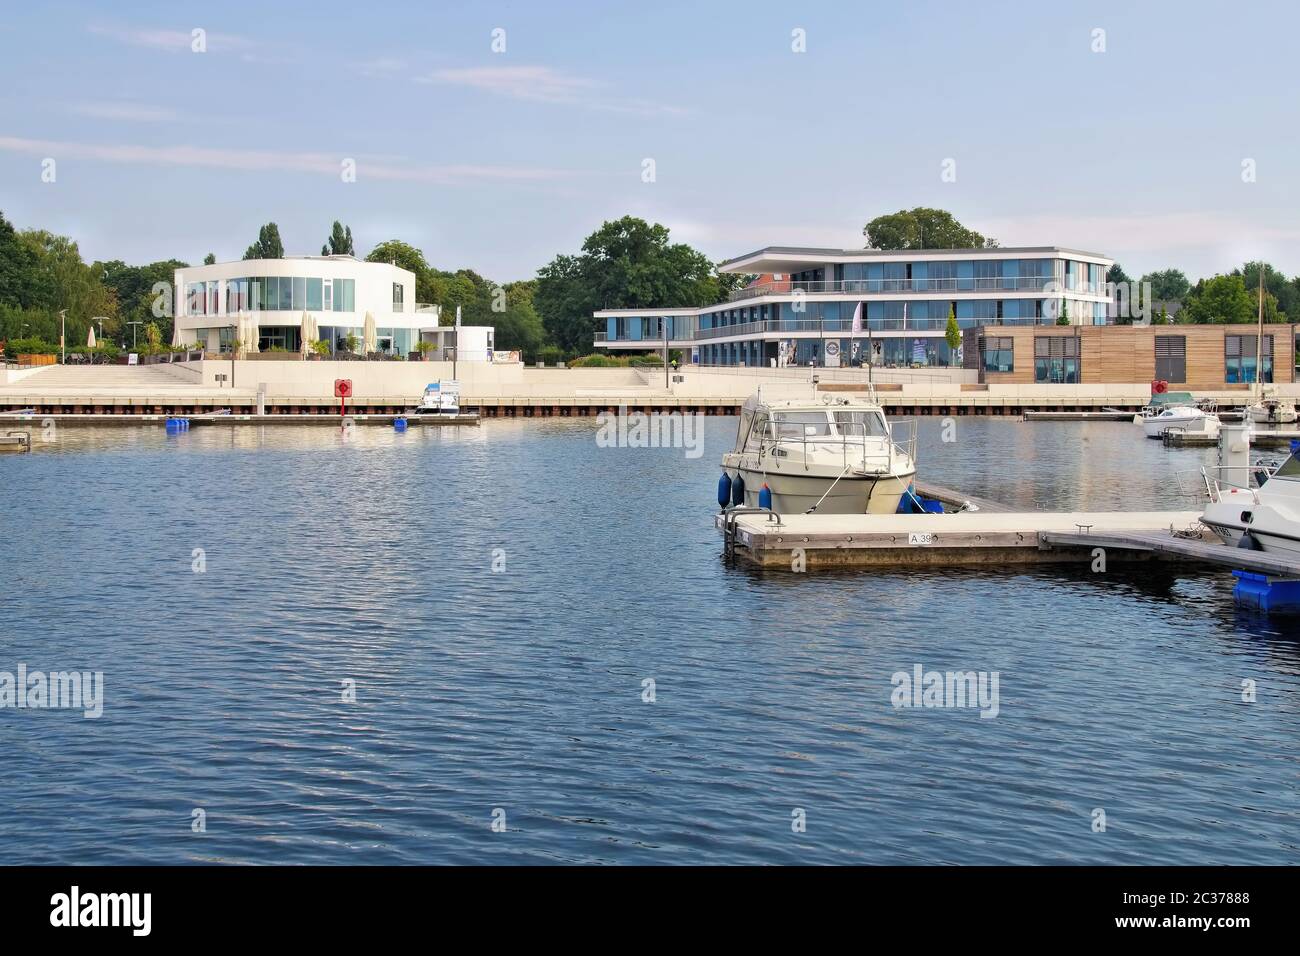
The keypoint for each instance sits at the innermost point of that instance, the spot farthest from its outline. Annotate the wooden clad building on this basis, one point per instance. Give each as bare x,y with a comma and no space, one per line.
1194,356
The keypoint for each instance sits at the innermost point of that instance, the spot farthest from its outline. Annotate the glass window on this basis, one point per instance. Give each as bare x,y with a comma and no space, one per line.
858,423
1056,360
314,294
999,354
397,297
286,294
343,290
1239,358
299,293
802,424
270,293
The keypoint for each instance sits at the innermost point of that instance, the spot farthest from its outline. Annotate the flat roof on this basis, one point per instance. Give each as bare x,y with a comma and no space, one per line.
778,258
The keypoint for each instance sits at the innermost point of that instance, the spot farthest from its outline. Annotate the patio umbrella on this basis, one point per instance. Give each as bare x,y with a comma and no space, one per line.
90,339
369,336
254,333
176,333
308,333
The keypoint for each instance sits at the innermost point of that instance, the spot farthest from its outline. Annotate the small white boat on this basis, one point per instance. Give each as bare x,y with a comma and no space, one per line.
832,454
1272,411
1266,517
1190,419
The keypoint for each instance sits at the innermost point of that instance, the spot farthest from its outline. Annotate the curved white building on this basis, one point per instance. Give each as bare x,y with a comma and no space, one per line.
335,291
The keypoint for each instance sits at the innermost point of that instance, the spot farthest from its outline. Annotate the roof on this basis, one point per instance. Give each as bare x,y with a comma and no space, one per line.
779,258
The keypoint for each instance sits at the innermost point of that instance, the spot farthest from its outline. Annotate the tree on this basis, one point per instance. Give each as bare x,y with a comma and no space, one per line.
1167,285
134,289
339,242
625,264
952,334
17,269
1286,294
1064,317
210,259
922,228
1220,300
268,245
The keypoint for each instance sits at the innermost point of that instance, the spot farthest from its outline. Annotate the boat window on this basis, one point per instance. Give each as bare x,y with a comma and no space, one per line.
758,432
853,424
1290,468
802,425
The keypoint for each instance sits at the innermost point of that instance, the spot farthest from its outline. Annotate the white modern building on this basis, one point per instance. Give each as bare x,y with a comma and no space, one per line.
851,306
333,292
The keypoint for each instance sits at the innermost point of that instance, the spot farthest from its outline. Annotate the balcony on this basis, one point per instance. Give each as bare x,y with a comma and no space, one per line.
833,327
895,286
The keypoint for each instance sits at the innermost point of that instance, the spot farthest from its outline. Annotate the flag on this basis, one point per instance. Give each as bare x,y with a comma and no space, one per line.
857,319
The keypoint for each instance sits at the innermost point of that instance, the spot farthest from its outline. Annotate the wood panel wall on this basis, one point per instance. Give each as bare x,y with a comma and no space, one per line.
1123,354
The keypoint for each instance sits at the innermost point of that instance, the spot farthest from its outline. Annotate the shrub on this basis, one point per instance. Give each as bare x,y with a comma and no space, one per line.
30,346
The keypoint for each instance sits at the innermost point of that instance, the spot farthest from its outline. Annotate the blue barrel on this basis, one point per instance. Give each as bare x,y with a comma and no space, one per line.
724,490
399,424
738,489
173,426
765,496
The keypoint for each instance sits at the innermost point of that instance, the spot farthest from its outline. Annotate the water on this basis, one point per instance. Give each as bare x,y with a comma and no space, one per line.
370,560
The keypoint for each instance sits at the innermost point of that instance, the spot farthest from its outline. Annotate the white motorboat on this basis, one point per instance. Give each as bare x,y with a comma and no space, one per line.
1190,419
835,453
1266,517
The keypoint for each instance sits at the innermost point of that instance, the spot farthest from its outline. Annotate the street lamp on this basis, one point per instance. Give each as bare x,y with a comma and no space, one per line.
133,323
63,336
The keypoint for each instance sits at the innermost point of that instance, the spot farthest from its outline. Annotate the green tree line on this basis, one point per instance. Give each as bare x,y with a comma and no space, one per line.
626,263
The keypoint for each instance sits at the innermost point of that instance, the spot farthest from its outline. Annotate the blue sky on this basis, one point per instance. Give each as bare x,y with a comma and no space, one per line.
499,161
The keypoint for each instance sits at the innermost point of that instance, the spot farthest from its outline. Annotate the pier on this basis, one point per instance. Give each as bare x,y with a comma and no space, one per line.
943,540
213,418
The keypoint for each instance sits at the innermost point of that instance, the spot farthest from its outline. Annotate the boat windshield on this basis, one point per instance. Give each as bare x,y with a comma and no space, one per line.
801,424
861,423
1288,469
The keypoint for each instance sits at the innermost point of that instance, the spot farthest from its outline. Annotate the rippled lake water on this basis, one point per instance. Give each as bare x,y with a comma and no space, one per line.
370,559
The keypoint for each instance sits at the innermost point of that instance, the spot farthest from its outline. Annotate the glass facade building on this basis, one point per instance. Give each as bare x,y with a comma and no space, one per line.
890,308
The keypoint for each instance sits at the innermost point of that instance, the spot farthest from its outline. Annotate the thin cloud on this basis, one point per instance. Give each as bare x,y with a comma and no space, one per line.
260,161
181,41
541,84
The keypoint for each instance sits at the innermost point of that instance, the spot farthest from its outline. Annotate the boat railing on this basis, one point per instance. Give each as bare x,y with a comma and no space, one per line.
1212,480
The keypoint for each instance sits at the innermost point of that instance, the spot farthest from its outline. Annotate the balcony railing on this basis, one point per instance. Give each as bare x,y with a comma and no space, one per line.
893,286
836,327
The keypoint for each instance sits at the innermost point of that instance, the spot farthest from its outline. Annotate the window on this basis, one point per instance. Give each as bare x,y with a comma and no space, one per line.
999,354
802,425
988,274
859,424
314,294
1056,360
1171,358
1239,358
398,292
343,295
195,299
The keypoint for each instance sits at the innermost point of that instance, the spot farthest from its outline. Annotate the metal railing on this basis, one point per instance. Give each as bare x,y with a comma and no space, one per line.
891,286
872,453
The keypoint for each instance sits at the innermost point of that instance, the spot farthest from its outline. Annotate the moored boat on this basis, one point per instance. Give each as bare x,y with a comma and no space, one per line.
831,454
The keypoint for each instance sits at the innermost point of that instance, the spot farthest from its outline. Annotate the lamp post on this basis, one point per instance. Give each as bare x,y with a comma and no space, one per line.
234,342
133,323
63,336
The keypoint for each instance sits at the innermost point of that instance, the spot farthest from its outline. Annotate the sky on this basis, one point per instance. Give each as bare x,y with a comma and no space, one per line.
495,136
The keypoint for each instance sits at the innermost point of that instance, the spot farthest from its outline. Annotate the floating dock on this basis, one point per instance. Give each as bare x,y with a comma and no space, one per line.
1263,438
217,419
931,540
16,441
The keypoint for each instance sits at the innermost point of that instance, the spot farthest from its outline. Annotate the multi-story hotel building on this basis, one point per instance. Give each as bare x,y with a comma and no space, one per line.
801,309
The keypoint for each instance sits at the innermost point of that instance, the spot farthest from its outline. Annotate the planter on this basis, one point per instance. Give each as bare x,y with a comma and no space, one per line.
28,358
